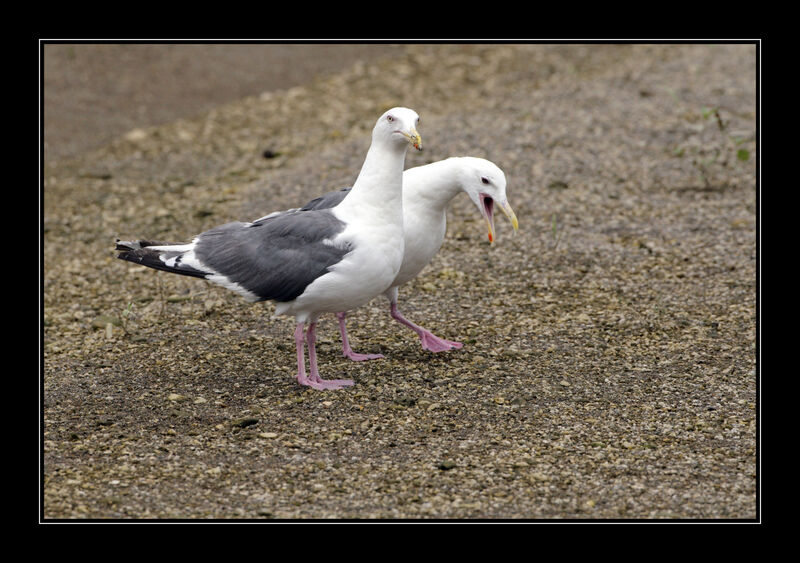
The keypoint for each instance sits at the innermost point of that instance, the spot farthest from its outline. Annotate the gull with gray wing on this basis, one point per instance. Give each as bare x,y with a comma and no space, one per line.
319,261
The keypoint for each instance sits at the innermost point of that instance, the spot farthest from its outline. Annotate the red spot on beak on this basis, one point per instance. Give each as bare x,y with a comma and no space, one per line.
488,212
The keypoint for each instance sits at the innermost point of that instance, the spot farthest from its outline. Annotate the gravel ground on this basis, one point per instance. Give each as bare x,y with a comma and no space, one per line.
609,366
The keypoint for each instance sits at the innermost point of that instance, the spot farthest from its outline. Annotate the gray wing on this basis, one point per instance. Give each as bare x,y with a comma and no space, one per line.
325,201
275,258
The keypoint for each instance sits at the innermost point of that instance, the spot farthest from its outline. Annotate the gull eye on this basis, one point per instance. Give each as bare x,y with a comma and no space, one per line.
389,118
484,179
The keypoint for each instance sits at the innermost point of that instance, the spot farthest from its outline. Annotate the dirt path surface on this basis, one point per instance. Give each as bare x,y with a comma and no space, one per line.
95,92
609,361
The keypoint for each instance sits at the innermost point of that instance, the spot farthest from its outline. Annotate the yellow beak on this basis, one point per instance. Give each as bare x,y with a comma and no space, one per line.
510,214
490,227
414,138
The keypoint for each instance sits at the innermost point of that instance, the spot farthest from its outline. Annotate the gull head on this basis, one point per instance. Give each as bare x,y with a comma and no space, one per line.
399,126
485,184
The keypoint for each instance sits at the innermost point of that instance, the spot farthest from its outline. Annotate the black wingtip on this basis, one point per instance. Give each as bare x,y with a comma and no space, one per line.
128,255
139,244
138,253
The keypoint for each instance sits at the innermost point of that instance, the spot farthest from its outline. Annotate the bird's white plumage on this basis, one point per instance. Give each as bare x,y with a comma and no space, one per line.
373,215
427,193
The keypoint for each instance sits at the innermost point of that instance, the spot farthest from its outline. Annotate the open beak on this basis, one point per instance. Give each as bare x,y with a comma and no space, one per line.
487,210
413,138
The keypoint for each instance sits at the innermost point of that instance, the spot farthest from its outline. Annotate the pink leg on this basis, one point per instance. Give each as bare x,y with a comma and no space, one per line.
314,380
429,340
301,361
346,350
311,338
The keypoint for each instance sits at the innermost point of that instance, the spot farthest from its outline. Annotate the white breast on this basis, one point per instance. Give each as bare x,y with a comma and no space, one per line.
423,235
366,271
